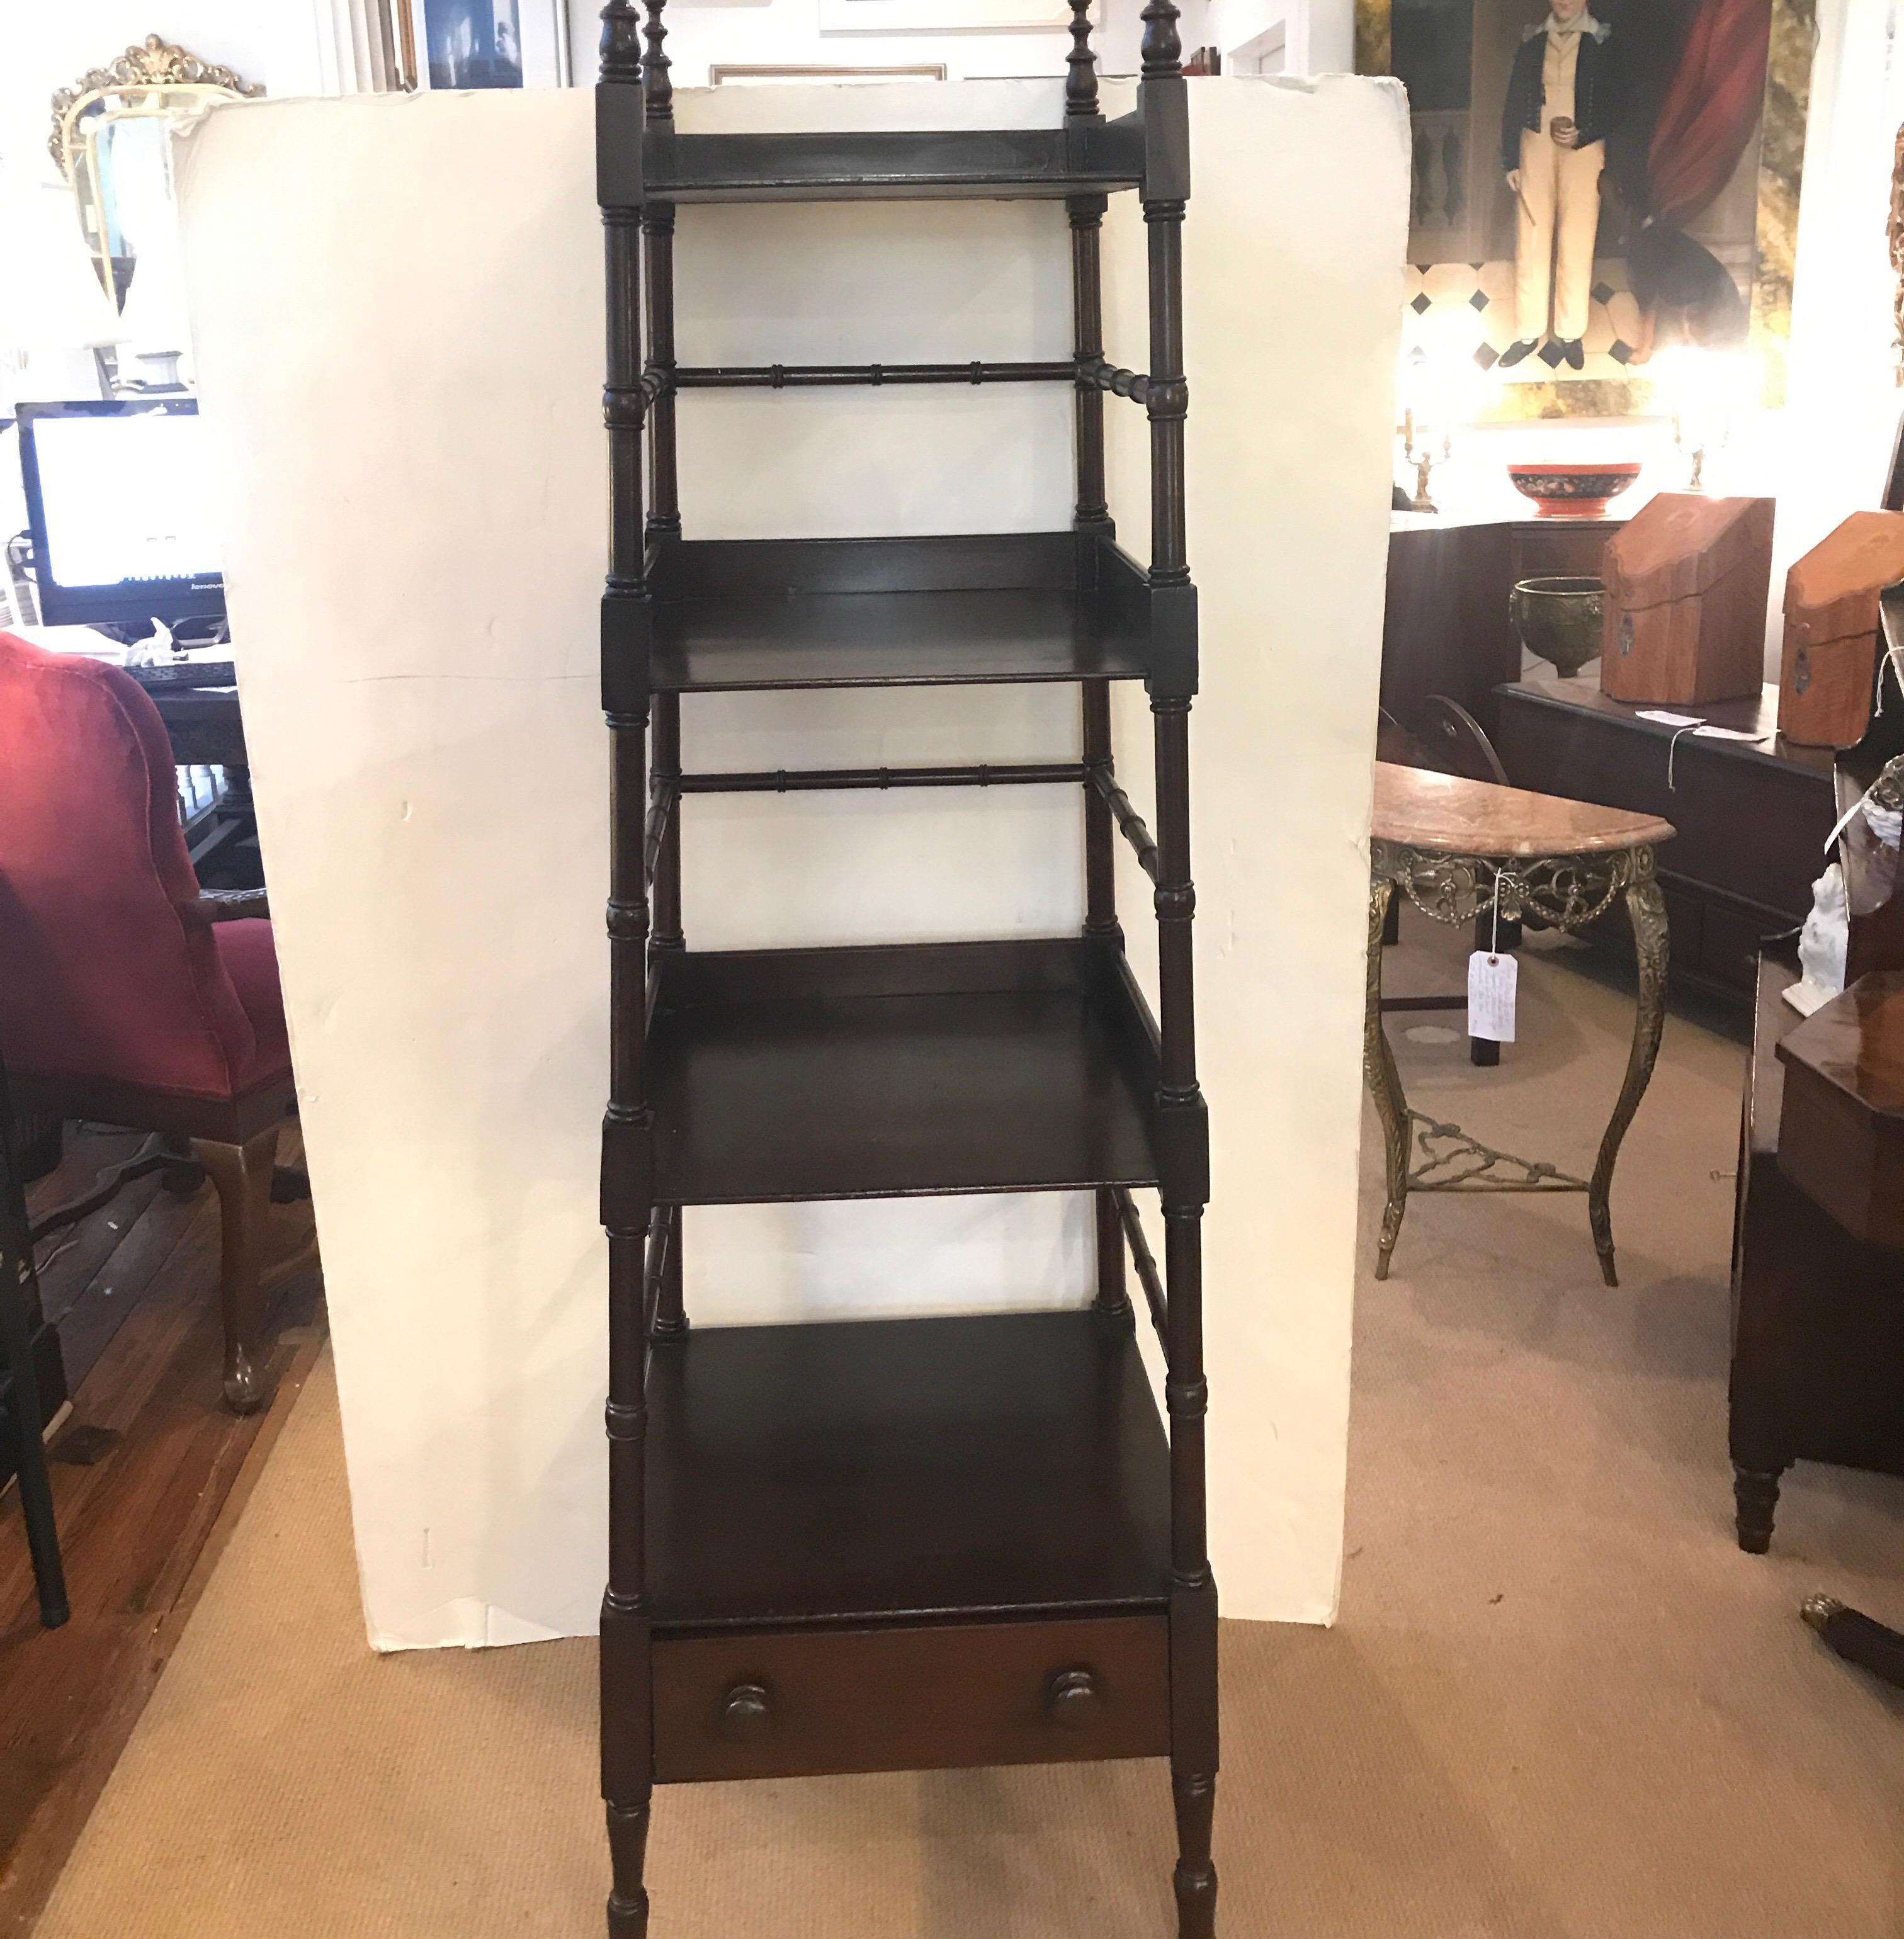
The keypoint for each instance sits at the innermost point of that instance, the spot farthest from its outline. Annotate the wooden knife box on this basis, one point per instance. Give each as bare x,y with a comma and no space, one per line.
1686,585
1828,676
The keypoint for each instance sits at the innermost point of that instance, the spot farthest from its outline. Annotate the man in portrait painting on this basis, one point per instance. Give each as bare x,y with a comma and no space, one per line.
1565,96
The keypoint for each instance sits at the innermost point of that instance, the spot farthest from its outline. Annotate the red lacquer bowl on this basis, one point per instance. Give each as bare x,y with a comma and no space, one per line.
1577,491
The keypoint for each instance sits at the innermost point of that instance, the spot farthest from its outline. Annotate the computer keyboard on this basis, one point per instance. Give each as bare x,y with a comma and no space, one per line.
170,675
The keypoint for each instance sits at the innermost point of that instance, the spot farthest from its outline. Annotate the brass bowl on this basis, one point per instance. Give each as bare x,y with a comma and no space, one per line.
1560,620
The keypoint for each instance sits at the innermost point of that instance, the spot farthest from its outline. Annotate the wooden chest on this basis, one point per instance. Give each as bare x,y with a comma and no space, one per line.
1841,1137
1828,675
1686,584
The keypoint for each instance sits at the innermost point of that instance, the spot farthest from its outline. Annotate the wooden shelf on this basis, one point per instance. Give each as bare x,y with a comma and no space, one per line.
911,1544
780,1075
1004,164
931,612
998,1466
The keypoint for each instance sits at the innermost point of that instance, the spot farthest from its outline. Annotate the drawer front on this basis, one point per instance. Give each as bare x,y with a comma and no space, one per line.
811,1702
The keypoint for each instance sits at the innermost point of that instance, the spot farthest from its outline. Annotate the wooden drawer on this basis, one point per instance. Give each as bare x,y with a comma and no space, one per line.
809,1702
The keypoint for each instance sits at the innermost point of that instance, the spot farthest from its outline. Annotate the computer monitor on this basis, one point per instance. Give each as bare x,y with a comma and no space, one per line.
119,507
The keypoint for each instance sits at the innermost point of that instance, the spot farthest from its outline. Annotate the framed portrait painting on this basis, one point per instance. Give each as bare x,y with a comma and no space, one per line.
456,43
1595,181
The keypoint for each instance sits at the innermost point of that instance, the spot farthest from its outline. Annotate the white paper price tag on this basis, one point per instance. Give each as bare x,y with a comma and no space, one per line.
1490,980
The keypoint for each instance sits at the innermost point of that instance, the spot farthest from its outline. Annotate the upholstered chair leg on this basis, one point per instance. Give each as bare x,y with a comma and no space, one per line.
243,1175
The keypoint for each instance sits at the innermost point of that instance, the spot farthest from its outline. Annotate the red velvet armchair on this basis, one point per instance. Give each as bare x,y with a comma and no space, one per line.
126,993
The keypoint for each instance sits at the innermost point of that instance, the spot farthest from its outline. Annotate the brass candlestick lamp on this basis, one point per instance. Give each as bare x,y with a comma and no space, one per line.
1424,459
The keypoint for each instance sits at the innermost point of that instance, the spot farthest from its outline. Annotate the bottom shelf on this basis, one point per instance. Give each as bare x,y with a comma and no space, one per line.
1001,1466
906,1545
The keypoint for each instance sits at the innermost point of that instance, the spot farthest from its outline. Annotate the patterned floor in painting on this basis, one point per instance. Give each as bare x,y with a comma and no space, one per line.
1470,306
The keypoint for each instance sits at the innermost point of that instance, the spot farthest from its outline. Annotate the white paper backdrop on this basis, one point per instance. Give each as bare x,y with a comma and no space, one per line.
398,309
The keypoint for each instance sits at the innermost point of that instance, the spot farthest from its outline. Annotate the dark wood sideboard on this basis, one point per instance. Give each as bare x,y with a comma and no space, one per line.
1752,820
1817,1368
1446,628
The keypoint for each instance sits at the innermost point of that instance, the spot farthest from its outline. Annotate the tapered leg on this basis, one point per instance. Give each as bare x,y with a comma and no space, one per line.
627,1645
628,1850
1196,1879
1646,909
1384,1082
1755,1499
241,1174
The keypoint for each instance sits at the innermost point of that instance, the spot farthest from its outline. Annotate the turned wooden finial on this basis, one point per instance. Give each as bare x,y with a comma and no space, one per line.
658,91
1163,49
1081,82
621,41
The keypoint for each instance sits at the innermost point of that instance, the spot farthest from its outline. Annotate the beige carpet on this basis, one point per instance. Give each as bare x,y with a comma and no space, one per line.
1560,1703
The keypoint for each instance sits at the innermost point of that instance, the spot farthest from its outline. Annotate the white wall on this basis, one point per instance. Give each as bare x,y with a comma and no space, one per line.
403,360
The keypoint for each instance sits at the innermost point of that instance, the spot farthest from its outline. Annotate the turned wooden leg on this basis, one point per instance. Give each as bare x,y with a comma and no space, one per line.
243,1175
1196,1878
628,1850
1754,1494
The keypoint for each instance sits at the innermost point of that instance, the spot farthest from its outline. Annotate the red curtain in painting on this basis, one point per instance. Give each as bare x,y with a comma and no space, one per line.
1711,107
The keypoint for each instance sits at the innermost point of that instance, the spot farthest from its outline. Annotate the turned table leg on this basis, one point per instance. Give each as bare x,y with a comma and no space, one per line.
1647,908
1755,1503
1384,1081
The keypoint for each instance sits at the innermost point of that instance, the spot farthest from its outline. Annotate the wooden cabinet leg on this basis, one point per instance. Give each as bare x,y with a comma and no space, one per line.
628,1850
1754,1494
1195,1880
242,1174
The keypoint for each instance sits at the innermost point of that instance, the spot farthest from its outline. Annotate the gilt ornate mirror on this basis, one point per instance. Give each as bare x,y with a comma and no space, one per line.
111,141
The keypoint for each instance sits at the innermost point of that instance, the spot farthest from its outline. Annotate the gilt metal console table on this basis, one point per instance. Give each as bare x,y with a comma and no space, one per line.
1457,849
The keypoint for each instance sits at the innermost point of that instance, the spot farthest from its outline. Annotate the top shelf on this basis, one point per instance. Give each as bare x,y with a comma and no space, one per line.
636,165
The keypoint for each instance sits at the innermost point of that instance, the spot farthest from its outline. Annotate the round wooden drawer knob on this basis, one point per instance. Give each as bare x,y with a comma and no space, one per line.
743,1712
1076,1702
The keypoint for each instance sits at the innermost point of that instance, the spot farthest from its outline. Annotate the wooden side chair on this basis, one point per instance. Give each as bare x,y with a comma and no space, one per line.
126,994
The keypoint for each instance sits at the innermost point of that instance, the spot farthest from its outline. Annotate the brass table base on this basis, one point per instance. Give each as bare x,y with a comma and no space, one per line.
1567,892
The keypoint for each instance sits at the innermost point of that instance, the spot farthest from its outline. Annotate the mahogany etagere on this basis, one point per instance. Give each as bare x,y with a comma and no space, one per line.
906,1543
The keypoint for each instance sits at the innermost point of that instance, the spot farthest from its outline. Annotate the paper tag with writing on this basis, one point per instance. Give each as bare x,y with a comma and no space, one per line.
1490,980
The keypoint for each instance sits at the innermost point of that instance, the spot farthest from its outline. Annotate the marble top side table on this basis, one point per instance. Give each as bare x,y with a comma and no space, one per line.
1457,849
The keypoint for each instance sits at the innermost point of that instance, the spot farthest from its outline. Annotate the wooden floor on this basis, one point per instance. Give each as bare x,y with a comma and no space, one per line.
149,1471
